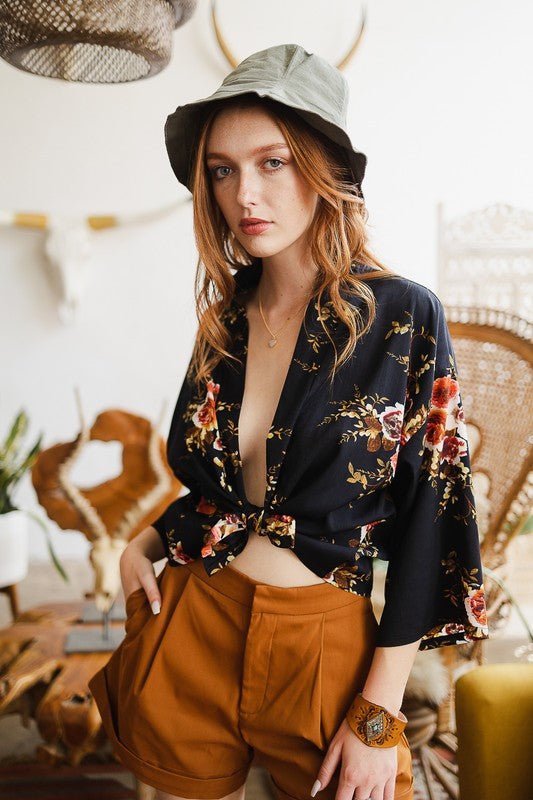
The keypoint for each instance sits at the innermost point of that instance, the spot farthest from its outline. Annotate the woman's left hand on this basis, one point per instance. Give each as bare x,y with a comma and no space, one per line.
366,773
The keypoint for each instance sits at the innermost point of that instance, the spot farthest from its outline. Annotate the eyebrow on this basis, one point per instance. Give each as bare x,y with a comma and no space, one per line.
266,149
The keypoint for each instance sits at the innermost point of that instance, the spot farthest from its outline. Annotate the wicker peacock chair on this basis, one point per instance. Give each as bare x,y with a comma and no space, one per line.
495,355
494,351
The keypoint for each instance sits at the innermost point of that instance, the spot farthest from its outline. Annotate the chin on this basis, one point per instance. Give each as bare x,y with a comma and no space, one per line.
258,249
262,252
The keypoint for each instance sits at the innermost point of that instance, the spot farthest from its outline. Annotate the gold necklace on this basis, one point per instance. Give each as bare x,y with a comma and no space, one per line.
273,341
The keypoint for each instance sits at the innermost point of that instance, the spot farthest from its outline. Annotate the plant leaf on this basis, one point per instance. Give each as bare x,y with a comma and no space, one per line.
55,560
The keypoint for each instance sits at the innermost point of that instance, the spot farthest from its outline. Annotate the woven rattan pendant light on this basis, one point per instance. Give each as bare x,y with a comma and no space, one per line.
91,41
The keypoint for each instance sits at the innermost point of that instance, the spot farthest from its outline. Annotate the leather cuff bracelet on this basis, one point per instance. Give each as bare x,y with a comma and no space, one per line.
373,724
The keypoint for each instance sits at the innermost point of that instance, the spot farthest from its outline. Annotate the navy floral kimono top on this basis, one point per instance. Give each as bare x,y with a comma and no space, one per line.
375,465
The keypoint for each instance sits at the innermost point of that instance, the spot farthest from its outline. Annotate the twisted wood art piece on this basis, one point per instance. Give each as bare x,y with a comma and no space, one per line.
494,351
113,512
38,681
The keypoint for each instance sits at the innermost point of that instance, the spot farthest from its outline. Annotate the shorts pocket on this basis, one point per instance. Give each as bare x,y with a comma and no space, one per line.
138,599
150,637
131,599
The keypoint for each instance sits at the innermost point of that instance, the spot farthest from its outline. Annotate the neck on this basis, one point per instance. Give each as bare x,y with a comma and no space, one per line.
284,286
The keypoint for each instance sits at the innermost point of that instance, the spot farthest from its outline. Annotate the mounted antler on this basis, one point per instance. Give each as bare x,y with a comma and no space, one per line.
115,511
233,61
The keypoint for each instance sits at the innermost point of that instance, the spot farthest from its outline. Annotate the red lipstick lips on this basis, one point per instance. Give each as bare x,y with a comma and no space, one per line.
253,225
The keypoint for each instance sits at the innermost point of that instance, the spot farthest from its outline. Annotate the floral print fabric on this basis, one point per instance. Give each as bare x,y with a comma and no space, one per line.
375,465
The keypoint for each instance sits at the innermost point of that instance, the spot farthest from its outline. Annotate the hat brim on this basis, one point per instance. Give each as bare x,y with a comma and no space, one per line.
182,129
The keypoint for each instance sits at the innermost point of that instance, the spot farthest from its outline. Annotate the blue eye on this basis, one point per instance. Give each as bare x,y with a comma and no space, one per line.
216,172
278,160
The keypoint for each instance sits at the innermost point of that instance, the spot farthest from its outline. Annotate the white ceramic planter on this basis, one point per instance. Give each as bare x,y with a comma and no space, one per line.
14,547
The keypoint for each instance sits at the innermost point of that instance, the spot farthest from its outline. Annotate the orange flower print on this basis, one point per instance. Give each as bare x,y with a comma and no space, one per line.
476,610
393,462
212,538
178,554
453,449
205,507
435,428
228,524
204,433
445,390
205,416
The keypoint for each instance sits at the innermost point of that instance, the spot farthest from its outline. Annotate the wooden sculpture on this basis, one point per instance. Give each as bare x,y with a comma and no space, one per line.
113,512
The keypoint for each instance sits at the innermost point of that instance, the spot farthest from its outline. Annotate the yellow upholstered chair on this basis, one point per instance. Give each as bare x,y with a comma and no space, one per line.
494,713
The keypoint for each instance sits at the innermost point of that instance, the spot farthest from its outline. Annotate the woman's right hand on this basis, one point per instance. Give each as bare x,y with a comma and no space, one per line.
136,567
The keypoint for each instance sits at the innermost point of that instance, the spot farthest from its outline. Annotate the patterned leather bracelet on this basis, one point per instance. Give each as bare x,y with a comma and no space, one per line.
373,724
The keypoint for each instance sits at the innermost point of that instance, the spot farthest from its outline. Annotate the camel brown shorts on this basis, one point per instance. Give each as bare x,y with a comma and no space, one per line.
233,670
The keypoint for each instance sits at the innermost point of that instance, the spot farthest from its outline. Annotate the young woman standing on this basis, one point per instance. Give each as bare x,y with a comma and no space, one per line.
319,426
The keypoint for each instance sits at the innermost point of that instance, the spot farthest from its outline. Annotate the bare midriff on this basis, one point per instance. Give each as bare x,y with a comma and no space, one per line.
266,370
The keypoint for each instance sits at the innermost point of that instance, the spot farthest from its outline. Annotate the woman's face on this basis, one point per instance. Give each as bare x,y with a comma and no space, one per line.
255,179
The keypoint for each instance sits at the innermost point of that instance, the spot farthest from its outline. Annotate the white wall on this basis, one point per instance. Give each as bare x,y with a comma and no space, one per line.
441,104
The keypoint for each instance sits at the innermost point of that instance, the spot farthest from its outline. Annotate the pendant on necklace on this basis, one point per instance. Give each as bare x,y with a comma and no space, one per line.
272,342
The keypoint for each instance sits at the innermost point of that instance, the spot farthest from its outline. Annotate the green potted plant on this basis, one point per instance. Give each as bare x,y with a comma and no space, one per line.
14,546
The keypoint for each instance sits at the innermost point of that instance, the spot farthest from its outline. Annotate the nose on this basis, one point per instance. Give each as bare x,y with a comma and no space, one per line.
248,188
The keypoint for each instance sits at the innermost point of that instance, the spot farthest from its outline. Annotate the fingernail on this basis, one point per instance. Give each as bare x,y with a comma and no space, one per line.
316,787
156,608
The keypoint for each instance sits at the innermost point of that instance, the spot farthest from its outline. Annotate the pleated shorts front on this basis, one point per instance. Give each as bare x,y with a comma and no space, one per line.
233,670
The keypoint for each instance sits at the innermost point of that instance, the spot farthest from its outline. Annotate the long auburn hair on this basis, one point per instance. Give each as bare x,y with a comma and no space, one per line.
338,237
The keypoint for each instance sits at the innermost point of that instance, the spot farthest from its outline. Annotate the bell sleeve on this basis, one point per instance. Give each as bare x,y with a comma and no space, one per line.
434,585
171,521
180,517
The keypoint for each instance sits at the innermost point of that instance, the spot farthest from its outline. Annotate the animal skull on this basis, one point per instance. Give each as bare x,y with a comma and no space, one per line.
105,558
68,248
68,245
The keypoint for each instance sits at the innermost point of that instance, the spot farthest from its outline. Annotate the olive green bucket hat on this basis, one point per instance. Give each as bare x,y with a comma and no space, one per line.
316,90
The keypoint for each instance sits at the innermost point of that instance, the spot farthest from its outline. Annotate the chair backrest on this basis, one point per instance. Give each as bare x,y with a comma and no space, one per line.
486,259
485,274
494,352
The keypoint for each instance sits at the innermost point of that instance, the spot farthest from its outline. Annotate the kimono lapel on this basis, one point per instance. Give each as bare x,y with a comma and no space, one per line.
302,374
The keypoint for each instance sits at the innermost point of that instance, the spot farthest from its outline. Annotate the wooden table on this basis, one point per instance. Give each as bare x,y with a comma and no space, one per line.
38,680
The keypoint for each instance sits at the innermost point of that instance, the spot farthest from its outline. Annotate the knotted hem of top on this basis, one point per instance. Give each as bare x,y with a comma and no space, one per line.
158,777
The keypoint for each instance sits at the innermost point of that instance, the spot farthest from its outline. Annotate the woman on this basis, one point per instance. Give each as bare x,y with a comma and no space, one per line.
320,414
